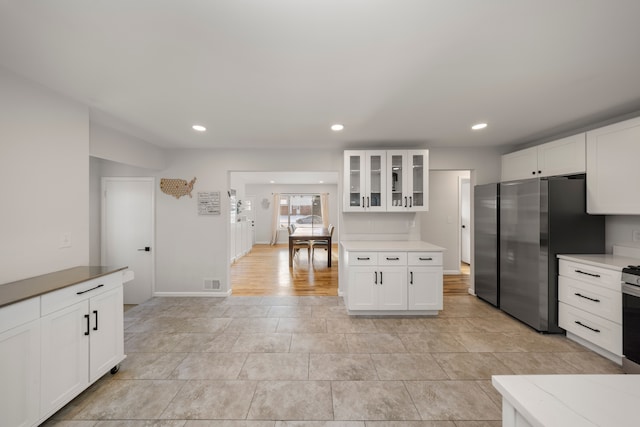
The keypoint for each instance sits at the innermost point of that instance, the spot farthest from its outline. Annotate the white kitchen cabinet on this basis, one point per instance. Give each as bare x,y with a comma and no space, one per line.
560,157
82,338
20,363
590,306
364,181
407,180
612,165
394,282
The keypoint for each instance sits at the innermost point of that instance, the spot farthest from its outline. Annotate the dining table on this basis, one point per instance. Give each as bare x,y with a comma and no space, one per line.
310,233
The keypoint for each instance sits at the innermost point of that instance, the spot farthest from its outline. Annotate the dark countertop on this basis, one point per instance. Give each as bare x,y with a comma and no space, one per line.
35,286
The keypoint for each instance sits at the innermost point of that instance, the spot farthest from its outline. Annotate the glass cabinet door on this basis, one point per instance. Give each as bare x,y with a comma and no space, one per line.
419,170
375,195
354,181
397,180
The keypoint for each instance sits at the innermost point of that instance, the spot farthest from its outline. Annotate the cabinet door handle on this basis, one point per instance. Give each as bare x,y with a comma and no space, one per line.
425,259
89,290
411,279
86,316
368,204
588,327
533,173
375,281
381,277
363,202
405,201
95,312
588,274
585,297
363,258
410,201
393,259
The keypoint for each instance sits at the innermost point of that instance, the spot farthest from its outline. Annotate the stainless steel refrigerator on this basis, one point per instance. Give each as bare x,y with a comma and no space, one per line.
539,219
486,242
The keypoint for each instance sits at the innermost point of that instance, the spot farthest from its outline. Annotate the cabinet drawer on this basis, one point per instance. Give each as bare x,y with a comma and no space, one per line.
392,258
594,299
70,295
599,331
363,258
19,313
595,275
425,258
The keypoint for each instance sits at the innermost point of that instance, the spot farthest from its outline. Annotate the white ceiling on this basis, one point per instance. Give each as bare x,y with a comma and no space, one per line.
278,73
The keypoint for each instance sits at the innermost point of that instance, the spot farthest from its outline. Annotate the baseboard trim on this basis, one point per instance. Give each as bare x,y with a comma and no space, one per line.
216,294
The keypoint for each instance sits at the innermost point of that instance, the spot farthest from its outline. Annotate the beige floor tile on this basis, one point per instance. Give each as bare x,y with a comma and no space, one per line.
302,325
330,311
229,423
489,324
247,311
152,343
480,342
320,424
490,391
350,325
372,400
141,423
280,300
262,343
292,400
321,300
209,366
68,423
535,342
588,362
149,366
348,367
290,311
233,300
276,366
471,366
407,366
446,324
254,325
130,400
452,400
536,363
430,342
374,343
410,424
410,325
209,343
207,325
478,423
222,400
318,343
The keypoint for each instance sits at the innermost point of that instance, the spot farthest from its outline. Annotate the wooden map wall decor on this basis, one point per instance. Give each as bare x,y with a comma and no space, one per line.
176,187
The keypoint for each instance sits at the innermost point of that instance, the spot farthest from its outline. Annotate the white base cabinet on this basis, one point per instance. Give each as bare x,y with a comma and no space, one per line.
53,346
394,282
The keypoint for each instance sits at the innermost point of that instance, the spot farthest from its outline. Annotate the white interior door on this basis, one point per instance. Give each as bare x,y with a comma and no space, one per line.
250,212
127,232
465,220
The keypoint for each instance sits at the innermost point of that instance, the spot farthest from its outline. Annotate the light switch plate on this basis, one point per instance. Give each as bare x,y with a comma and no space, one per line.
65,240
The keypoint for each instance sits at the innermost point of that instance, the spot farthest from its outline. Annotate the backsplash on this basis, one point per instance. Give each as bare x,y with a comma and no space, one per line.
619,231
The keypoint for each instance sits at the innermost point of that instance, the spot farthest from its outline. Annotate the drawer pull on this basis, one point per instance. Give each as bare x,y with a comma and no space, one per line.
425,259
588,327
89,290
411,280
95,312
393,259
588,274
86,316
381,277
585,297
375,282
363,258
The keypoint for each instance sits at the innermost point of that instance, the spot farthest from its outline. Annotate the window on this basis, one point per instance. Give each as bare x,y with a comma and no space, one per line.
303,210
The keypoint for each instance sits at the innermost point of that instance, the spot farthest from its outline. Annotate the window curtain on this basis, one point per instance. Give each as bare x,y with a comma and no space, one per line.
324,209
275,216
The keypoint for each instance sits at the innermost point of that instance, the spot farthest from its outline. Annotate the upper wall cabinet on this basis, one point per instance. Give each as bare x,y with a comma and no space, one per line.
407,180
612,166
561,157
365,181
386,181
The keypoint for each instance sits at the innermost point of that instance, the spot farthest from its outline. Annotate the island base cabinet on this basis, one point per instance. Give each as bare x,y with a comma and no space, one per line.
392,288
20,375
106,344
425,288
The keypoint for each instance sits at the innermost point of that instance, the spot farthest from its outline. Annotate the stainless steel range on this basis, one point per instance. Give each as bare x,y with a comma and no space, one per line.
631,319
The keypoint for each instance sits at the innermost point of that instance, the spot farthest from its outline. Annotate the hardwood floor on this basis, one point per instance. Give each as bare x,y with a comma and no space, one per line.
265,271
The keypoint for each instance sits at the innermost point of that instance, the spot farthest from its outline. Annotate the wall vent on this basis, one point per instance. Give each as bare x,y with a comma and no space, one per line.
211,285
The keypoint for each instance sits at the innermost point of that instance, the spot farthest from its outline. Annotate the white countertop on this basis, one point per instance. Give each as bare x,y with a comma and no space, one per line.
573,400
612,262
390,245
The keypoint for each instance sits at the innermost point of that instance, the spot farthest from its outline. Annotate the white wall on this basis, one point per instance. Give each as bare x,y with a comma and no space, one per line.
441,225
619,230
263,216
110,144
44,170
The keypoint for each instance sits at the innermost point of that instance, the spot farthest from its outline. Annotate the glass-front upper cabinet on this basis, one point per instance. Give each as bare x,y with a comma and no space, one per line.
365,181
408,180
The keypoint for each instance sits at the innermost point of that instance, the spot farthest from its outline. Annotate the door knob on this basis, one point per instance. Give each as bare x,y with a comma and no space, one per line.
146,249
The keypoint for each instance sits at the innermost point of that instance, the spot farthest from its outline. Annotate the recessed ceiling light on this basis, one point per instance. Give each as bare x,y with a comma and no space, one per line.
337,127
479,126
199,128
321,182
272,182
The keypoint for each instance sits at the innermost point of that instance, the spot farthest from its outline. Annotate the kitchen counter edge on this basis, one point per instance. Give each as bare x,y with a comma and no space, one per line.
390,245
609,261
21,290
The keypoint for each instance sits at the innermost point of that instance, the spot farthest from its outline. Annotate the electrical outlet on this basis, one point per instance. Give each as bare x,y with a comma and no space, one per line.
636,235
65,240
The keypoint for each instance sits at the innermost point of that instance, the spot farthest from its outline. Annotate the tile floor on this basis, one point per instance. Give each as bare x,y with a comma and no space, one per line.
302,361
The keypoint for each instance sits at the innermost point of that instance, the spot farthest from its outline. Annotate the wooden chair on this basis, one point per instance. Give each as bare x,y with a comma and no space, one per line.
322,243
300,244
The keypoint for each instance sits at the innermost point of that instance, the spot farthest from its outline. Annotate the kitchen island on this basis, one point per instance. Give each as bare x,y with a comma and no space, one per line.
568,400
391,277
59,333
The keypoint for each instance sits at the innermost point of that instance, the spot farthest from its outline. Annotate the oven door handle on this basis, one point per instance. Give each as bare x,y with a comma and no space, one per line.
631,290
